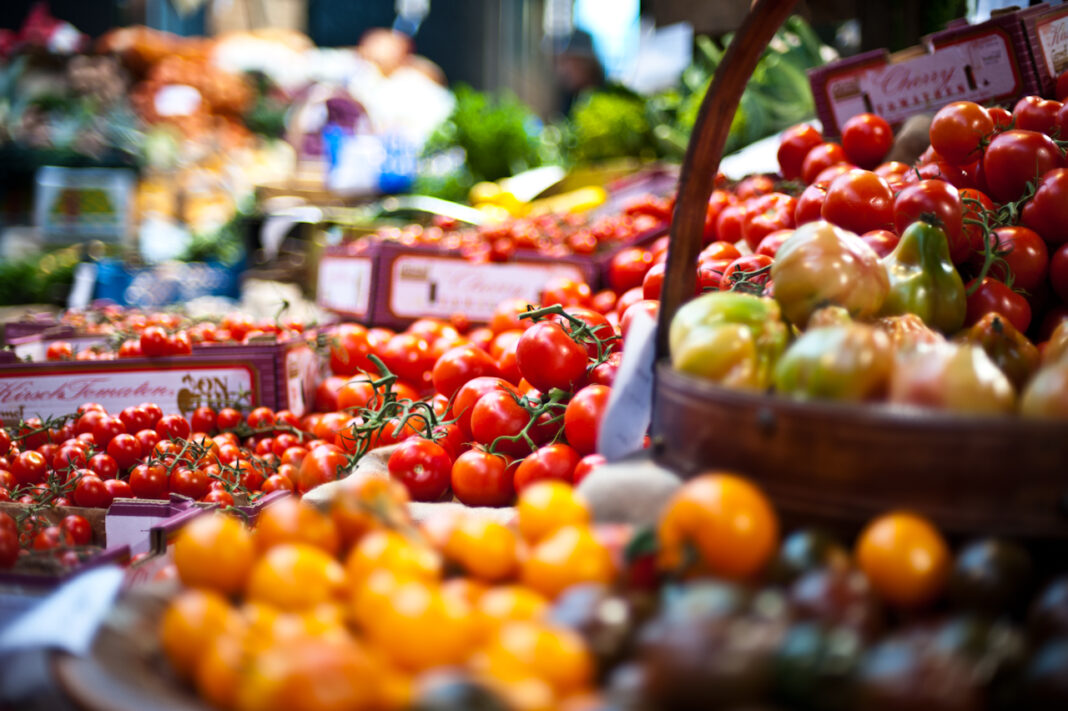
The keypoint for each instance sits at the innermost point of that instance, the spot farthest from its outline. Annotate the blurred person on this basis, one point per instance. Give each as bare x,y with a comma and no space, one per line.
576,67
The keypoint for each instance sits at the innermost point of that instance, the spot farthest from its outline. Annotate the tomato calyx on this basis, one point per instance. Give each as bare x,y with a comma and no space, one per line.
579,331
543,412
749,282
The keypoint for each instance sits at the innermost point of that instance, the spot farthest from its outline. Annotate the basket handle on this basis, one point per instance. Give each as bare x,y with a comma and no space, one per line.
703,154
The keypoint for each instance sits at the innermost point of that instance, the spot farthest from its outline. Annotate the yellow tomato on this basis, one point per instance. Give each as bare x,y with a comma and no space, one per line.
905,558
296,576
570,556
547,506
214,551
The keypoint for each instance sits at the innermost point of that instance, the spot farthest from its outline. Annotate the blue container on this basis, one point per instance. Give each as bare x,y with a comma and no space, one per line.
165,284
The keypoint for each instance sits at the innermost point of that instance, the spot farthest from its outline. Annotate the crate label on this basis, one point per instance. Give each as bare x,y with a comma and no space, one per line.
345,284
973,70
1053,41
302,370
24,395
440,287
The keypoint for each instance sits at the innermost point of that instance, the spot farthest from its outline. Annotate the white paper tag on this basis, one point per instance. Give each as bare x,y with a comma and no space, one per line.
69,617
345,284
81,293
627,417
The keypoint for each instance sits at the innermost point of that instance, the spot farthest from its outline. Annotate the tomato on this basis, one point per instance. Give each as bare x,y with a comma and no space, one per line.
582,418
1025,254
154,342
746,268
1001,117
424,467
725,519
498,414
598,326
547,506
5,442
905,559
179,344
189,482
202,420
349,348
549,358
730,223
118,489
717,251
974,204
228,418
71,455
107,428
173,427
566,292
859,201
325,394
654,281
770,244
1047,211
479,478
408,356
882,241
320,465
9,546
810,205
586,466
51,538
125,450
795,144
647,306
939,203
1058,272
553,461
992,295
719,200
866,139
827,175
958,129
59,350
766,214
628,268
1014,158
605,373
261,418
1033,113
149,481
819,158
148,439
91,492
29,468
460,365
103,466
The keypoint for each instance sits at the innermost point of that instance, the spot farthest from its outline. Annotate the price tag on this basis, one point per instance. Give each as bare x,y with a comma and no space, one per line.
345,284
629,411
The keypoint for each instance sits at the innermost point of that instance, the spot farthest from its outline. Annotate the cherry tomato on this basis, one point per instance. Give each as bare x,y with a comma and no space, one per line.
59,350
424,467
136,419
408,356
882,241
78,528
118,489
228,418
819,158
597,324
553,461
125,450
770,244
746,268
320,465
766,214
149,481
1014,158
717,251
154,342
974,204
148,440
810,205
29,467
202,420
992,295
730,223
647,306
938,202
1026,256
173,427
1033,113
460,365
498,414
719,200
91,492
566,292
795,145
349,348
582,418
189,482
859,201
628,268
483,479
549,358
586,466
1047,211
866,139
958,129
51,538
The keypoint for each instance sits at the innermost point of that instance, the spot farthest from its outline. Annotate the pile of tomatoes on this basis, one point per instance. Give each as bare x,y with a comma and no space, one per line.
553,235
358,607
133,334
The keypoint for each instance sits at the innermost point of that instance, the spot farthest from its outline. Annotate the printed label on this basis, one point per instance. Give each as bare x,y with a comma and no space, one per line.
1053,40
301,376
345,284
440,287
24,395
975,70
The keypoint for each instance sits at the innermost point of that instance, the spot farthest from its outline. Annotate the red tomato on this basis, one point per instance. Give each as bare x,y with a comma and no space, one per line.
866,139
605,373
654,281
859,201
203,420
277,482
598,326
628,268
718,250
1001,117
325,395
51,538
1014,158
173,427
934,201
149,481
261,418
424,468
9,547
59,350
91,492
604,301
1046,213
586,466
819,158
754,186
1026,256
994,296
810,204
498,414
408,356
769,246
349,348
118,489
460,365
78,528
648,306
746,268
974,204
958,129
766,214
482,479
320,465
719,200
566,292
154,342
582,418
795,145
148,439
1033,113
29,468
219,496
729,224
553,461
1058,272
125,450
193,483
882,241
549,358
469,394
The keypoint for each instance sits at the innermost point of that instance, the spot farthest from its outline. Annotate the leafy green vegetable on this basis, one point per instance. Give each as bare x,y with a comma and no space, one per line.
610,123
43,279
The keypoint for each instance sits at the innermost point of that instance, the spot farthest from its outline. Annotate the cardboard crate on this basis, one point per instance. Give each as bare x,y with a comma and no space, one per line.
989,62
276,375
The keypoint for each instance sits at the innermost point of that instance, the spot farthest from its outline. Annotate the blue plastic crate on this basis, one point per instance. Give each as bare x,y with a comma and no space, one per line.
165,284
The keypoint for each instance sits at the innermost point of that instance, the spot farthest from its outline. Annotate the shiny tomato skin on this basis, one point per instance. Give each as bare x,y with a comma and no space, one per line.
992,295
730,223
582,418
819,158
795,144
423,467
202,420
974,204
748,264
1025,254
586,466
934,201
882,241
154,342
553,461
189,482
1058,272
408,356
78,528
149,481
125,449
479,478
91,492
173,427
810,205
349,350
770,244
1014,158
118,489
766,214
957,130
1047,212
549,358
866,139
498,414
1033,113
29,467
460,365
859,201
320,465
648,306
470,393
628,268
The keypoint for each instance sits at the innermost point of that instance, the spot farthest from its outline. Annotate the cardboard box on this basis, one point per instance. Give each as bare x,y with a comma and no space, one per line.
277,375
989,62
1047,34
